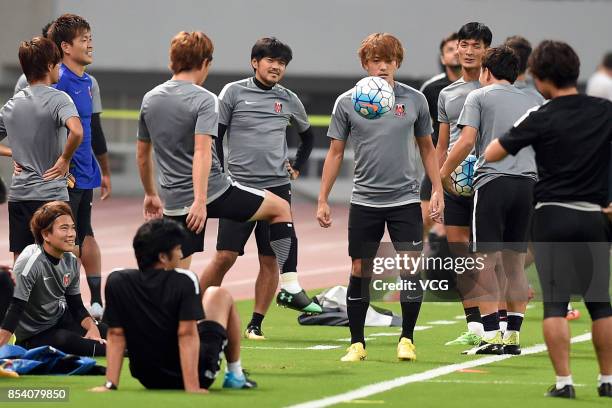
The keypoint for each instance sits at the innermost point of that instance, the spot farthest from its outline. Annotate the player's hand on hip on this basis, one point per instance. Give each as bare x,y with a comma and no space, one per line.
293,173
324,215
105,187
59,169
436,207
196,219
608,211
16,168
152,207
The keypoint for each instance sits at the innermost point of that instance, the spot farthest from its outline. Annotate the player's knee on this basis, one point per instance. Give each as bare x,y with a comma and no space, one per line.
599,310
217,295
225,259
555,309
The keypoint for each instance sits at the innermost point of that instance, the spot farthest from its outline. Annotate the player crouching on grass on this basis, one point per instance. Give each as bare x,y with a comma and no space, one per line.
157,312
571,137
47,288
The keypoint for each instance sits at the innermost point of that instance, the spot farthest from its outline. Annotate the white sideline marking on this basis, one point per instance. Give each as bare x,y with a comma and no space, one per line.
421,328
443,322
383,386
460,317
349,339
386,334
317,347
496,382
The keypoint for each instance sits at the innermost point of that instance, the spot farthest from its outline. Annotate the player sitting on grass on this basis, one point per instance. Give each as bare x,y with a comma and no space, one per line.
157,312
47,309
571,137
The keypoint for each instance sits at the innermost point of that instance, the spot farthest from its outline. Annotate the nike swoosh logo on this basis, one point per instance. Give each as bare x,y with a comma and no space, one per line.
77,92
250,103
415,243
350,298
47,278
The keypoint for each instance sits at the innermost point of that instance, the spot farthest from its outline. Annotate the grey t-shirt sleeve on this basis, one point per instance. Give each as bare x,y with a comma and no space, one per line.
470,114
96,99
26,275
299,116
207,122
143,131
2,126
339,126
442,116
227,102
422,125
63,108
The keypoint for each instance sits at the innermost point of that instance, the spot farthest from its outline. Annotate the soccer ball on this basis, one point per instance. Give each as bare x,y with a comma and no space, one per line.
463,177
372,97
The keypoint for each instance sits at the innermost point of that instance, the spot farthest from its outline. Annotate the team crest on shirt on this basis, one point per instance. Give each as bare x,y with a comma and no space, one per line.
278,107
400,110
66,279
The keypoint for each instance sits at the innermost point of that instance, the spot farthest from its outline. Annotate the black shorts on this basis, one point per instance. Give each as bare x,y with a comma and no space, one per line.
457,210
238,203
81,201
233,235
502,213
213,340
425,191
366,227
572,253
20,213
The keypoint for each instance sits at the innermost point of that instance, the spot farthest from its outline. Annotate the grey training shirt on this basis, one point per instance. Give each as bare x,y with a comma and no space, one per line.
34,120
450,103
386,168
257,121
44,287
171,115
493,110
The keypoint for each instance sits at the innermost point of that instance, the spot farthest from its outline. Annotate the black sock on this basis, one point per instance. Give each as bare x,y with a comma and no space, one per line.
490,322
515,321
357,303
410,301
472,314
256,319
95,284
503,315
284,243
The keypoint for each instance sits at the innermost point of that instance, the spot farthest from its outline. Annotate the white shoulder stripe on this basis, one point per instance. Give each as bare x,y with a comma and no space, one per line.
227,86
192,276
522,118
211,94
338,100
33,257
431,80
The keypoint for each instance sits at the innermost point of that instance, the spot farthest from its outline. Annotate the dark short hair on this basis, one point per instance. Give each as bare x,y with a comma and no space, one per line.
475,31
189,50
502,62
36,55
522,48
45,216
45,29
66,28
450,37
270,47
607,60
555,61
155,237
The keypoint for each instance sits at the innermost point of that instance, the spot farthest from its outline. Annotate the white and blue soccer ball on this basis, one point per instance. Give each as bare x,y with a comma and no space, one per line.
372,97
463,177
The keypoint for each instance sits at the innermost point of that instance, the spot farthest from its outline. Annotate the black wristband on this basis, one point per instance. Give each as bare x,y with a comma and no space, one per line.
110,386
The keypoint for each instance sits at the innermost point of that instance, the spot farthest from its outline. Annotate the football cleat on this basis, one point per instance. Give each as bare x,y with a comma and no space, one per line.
297,301
605,390
466,339
254,333
566,392
355,352
406,351
492,346
234,381
512,344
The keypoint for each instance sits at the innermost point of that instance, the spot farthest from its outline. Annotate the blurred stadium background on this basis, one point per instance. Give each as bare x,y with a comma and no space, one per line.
131,40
